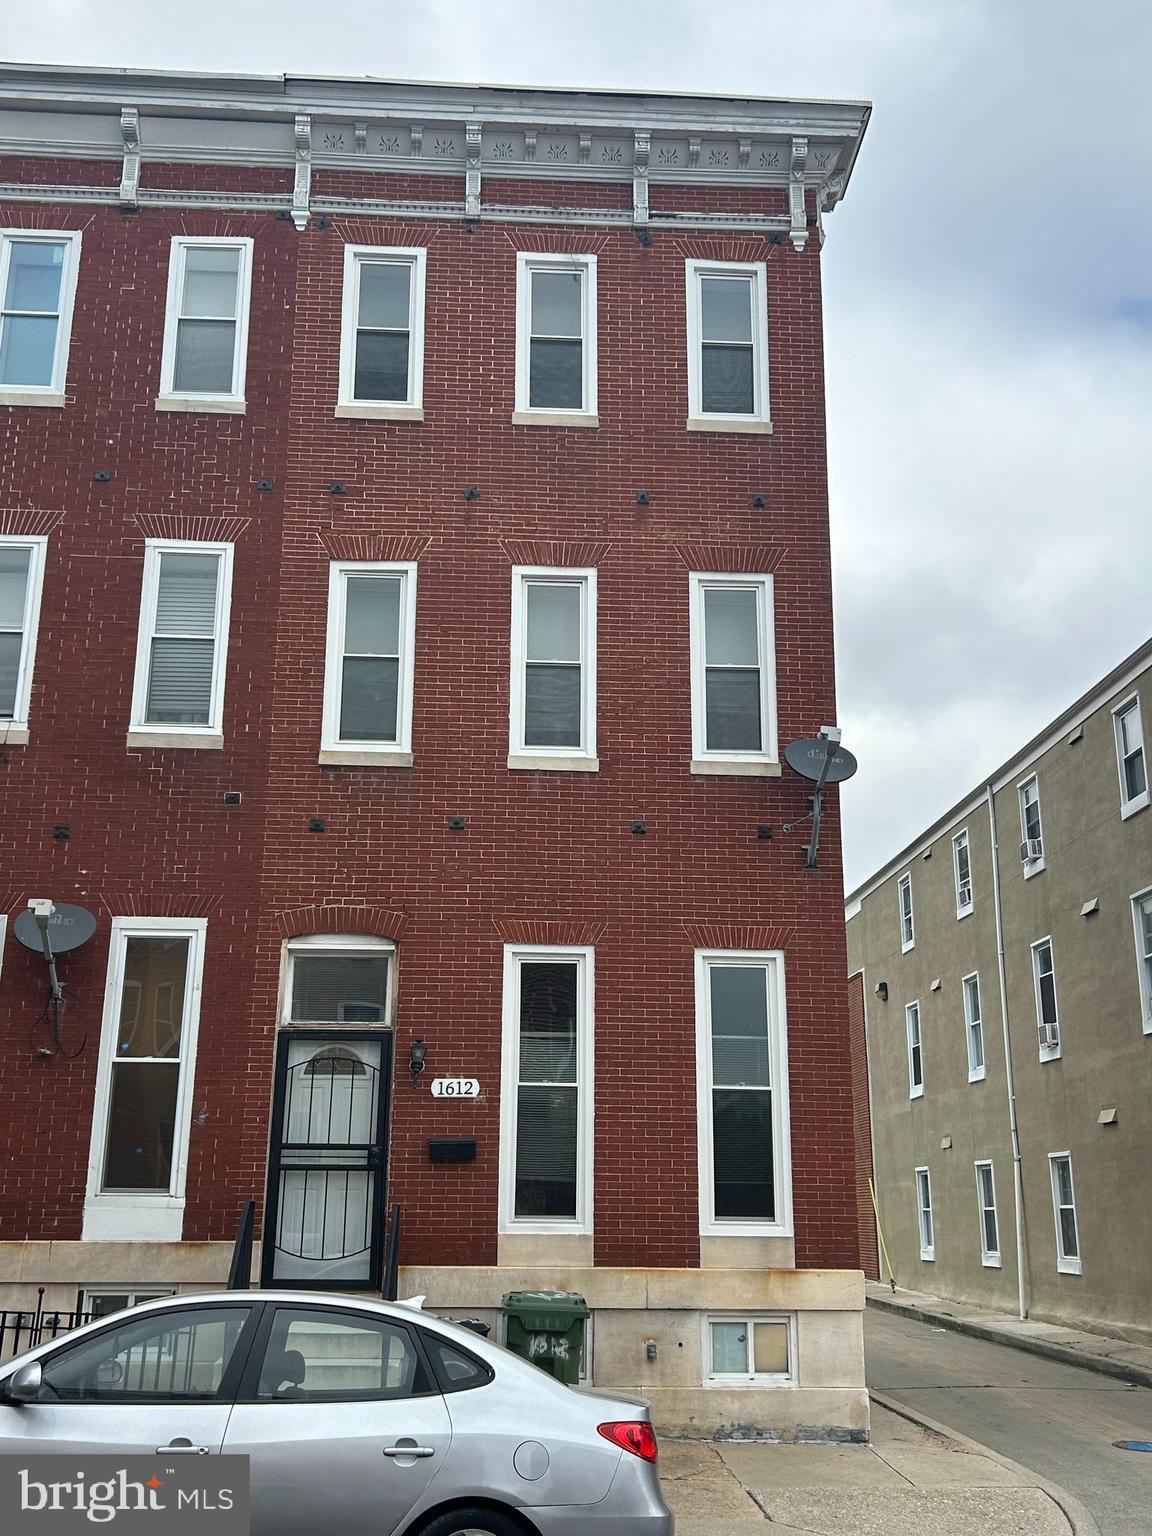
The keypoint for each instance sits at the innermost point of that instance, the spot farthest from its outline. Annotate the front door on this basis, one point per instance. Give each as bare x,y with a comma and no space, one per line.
325,1212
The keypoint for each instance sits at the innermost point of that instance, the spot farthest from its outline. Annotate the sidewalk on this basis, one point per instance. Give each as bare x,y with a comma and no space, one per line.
911,1480
1111,1357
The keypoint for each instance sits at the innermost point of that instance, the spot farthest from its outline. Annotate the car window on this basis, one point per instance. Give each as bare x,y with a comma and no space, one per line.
456,1368
316,1356
163,1357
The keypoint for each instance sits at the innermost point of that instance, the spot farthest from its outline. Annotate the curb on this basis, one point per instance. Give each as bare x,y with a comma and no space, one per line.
1138,1375
1082,1522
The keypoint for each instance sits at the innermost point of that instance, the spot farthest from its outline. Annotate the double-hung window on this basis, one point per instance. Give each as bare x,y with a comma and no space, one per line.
178,699
555,339
139,1156
1031,830
924,1214
989,1225
382,336
553,683
21,578
727,346
546,1111
907,921
370,664
962,870
742,1094
1130,757
915,1051
973,1027
1142,918
1047,1018
732,637
206,325
37,288
1064,1212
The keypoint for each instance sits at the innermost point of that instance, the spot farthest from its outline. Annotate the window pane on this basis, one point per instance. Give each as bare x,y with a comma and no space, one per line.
205,355
27,350
730,627
385,294
732,710
739,1026
368,698
548,995
211,277
34,275
742,1154
339,989
312,1356
1068,1233
141,1120
546,1152
556,375
372,615
1064,1181
332,1100
1135,779
726,308
457,1367
726,381
10,648
180,682
1146,925
186,594
553,621
552,714
175,1356
104,1303
381,365
152,997
557,304
1048,999
770,1349
730,1349
991,1236
14,567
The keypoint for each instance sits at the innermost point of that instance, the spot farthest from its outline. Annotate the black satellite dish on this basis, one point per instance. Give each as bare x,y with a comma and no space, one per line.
809,757
68,928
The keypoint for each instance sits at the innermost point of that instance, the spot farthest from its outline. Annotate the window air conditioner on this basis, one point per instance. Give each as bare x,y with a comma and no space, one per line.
1031,848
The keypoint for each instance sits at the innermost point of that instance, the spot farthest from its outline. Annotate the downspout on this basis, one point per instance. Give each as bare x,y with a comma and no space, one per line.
1009,1075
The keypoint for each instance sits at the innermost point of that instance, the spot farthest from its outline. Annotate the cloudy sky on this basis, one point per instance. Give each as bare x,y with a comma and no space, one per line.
989,313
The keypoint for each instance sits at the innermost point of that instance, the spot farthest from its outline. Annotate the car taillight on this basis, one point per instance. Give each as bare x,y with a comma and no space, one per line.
634,1436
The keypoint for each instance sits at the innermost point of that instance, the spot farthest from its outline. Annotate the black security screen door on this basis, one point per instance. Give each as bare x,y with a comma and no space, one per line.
325,1216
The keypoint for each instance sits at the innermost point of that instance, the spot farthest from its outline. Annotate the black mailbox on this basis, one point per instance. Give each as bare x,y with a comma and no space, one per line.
452,1149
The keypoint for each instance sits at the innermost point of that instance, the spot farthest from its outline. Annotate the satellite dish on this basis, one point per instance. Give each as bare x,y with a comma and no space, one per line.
808,757
68,927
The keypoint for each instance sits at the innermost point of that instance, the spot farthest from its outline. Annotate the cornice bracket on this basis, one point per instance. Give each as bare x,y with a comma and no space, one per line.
473,136
797,212
130,175
830,192
642,149
302,187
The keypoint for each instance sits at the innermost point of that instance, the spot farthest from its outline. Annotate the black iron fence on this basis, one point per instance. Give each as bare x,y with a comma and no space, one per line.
21,1330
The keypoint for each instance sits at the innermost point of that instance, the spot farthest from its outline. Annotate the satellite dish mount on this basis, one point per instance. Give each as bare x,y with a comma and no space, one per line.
824,760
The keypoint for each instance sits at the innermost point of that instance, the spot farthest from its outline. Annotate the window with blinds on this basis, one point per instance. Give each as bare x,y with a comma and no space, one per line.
21,572
553,663
183,634
370,659
206,325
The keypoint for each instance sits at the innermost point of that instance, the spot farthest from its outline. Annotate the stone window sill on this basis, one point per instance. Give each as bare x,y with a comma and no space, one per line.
210,741
13,736
549,763
348,758
728,424
50,397
349,411
207,405
554,419
735,768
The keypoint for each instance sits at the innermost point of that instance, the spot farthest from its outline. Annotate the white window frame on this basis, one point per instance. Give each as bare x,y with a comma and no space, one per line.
52,393
1144,978
137,1294
750,1378
1051,1052
123,1215
1066,1264
1032,866
759,419
726,760
347,402
528,262
521,755
584,958
912,1012
166,733
907,918
772,961
977,1071
333,943
398,753
927,1230
3,937
962,840
225,400
1130,705
989,1257
14,731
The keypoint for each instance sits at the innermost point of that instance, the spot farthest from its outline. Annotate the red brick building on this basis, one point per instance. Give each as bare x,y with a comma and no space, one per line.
413,558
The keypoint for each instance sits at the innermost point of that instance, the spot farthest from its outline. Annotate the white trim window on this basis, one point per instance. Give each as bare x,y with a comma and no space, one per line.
989,1222
206,322
1130,760
912,1029
370,668
555,339
907,919
732,635
138,1164
1047,1014
1068,1261
21,583
546,1113
754,1350
182,647
745,1155
553,685
973,1027
38,271
962,872
99,1301
337,978
924,1215
1142,922
727,346
382,331
1031,827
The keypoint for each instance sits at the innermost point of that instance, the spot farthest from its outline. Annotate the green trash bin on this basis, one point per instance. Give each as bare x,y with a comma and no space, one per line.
547,1327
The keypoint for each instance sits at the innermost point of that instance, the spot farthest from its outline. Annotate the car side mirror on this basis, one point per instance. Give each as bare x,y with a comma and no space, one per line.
23,1386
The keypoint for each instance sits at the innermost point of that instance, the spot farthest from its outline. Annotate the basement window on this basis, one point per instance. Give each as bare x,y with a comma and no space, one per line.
753,1350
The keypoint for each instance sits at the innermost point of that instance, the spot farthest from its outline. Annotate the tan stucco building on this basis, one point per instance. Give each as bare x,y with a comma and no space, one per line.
1004,961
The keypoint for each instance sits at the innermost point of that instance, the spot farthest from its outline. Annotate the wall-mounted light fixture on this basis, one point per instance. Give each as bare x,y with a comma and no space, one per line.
417,1060
882,991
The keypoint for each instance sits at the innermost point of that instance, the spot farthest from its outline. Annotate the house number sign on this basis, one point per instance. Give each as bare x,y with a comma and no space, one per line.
455,1087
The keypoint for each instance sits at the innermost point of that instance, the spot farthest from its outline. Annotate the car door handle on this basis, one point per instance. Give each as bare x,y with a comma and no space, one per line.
409,1450
181,1448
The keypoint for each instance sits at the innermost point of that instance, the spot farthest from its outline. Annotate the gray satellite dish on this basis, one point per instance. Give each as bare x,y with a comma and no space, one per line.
68,928
807,758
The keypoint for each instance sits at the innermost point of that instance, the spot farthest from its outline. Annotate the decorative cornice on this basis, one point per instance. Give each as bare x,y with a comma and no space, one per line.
472,137
130,175
797,209
641,153
302,185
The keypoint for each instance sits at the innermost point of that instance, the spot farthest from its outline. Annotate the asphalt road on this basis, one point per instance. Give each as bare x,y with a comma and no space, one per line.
1057,1420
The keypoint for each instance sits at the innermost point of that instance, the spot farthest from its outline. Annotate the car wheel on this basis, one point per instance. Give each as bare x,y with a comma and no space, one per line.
473,1522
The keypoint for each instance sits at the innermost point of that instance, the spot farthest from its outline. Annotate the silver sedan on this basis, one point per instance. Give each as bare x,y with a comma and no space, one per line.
359,1418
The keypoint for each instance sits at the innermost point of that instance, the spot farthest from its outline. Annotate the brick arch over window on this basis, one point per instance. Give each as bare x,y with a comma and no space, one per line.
379,922
739,935
545,930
